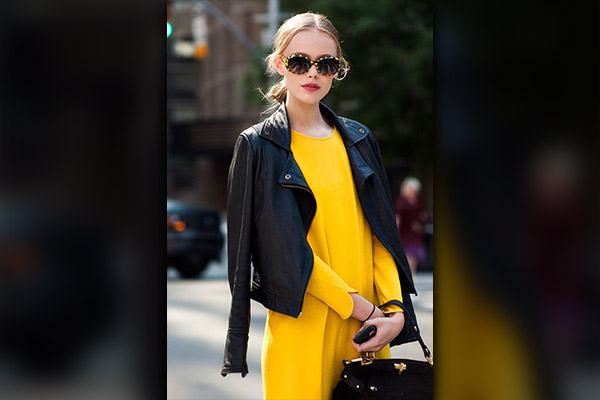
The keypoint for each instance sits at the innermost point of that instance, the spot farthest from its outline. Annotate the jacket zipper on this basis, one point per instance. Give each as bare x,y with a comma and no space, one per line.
299,187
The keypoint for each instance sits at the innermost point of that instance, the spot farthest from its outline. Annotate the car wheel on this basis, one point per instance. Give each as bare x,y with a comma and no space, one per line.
192,267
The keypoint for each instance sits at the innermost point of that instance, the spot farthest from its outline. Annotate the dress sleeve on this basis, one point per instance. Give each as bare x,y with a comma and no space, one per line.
385,276
326,285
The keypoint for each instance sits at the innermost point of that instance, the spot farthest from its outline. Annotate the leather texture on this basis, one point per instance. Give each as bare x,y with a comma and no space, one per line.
270,208
381,381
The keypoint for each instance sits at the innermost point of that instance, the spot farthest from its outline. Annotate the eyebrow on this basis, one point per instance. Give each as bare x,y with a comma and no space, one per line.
322,55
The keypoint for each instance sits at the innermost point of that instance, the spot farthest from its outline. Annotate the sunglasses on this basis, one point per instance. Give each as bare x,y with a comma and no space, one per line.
300,64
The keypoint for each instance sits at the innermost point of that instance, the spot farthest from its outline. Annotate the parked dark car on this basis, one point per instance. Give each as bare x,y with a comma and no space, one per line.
194,237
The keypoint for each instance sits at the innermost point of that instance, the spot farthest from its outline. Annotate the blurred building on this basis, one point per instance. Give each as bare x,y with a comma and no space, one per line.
206,111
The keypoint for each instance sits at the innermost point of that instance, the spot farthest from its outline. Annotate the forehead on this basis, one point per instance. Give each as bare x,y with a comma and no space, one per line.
313,43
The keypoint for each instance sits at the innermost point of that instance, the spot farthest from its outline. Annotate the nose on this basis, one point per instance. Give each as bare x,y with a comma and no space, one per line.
312,71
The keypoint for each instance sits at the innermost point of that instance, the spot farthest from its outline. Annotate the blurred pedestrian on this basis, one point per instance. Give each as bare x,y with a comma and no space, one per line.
410,219
308,205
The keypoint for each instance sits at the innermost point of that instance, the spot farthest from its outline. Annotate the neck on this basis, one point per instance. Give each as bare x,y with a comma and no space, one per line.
304,117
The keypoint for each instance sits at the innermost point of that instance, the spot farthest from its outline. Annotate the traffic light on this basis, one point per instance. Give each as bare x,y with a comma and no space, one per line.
169,29
200,35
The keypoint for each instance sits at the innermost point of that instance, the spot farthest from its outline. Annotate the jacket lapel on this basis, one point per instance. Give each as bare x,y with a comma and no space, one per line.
360,168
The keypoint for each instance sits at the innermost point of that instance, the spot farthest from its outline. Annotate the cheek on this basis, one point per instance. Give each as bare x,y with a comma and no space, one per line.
289,77
329,81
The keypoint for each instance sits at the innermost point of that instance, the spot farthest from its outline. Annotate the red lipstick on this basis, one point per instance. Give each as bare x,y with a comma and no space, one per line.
311,87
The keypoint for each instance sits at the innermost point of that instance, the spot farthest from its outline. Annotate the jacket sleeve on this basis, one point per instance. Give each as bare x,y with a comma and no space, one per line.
385,276
239,218
326,285
388,212
381,171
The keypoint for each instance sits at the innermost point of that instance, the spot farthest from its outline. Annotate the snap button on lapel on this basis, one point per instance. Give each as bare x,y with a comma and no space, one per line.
287,176
361,130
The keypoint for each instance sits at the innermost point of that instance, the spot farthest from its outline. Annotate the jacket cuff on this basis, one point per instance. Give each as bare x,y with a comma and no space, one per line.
229,369
234,360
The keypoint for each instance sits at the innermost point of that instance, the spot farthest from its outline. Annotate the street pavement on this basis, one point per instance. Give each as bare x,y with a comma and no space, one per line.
197,313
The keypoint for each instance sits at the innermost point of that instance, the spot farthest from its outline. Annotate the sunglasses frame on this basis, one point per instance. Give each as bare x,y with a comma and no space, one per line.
311,62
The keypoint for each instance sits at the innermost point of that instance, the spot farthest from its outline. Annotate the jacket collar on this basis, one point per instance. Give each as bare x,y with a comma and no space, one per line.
277,127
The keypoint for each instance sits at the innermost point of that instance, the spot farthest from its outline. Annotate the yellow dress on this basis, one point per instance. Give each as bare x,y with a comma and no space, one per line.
302,357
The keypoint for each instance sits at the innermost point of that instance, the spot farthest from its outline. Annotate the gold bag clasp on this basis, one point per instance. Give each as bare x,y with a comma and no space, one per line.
366,358
400,367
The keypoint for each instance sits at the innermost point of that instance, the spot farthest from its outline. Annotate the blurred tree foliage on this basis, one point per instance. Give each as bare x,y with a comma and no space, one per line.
389,44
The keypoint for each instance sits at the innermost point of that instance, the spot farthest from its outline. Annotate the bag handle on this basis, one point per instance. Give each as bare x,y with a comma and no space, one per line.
408,318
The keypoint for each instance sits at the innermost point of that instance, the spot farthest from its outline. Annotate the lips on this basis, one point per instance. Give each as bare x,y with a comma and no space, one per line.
311,86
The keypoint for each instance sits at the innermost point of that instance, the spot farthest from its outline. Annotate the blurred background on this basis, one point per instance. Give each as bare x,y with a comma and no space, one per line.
215,53
517,201
81,156
85,168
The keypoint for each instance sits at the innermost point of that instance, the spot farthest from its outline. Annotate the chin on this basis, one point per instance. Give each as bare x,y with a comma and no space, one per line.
308,98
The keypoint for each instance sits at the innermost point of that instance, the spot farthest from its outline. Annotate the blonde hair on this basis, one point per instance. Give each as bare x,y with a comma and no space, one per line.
290,27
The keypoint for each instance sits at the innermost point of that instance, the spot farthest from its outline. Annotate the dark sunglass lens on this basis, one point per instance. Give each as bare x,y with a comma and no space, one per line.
298,65
329,66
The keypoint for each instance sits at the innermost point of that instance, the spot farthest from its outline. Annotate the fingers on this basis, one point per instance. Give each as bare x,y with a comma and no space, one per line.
383,336
368,345
372,321
372,344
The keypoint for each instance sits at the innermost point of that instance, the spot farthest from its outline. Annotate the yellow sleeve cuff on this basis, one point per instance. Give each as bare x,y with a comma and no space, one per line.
392,309
326,285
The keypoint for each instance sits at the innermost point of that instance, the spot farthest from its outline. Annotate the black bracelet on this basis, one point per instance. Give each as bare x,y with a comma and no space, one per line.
372,311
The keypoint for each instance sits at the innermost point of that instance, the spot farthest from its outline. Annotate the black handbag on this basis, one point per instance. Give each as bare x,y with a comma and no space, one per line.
396,378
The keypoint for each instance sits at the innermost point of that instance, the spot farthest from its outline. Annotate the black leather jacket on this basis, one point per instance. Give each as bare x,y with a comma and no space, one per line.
270,208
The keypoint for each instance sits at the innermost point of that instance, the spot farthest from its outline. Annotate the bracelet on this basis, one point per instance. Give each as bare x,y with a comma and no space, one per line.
372,311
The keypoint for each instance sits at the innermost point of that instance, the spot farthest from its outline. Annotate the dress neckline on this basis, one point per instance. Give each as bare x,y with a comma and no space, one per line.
315,138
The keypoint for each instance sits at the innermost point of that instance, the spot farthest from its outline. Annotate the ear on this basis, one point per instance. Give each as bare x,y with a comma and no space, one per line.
279,66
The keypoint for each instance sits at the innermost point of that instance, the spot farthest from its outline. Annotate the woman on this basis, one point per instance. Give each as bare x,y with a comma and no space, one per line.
309,205
410,218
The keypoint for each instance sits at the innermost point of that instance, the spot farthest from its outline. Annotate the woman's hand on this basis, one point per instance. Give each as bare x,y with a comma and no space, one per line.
387,329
